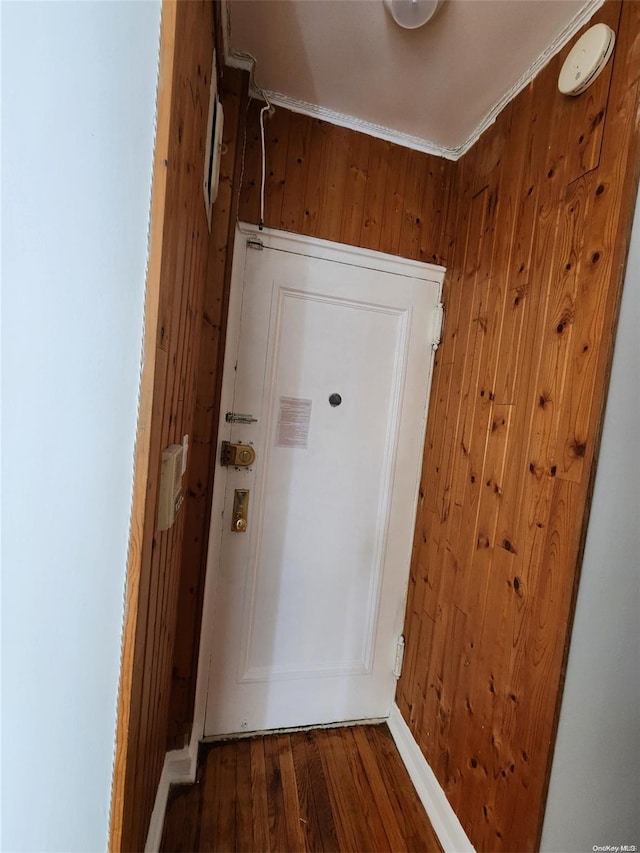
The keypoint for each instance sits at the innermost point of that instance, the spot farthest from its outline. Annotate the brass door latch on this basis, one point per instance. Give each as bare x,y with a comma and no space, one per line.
240,507
238,455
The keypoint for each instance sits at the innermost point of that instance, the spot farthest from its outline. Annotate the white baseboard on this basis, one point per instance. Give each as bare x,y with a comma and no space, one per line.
179,768
443,818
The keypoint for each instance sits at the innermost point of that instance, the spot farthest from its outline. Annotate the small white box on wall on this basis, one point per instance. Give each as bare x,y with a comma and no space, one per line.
170,496
213,148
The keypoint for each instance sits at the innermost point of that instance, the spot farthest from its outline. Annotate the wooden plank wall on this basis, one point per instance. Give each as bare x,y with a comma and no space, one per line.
532,224
173,335
543,212
329,182
233,93
143,464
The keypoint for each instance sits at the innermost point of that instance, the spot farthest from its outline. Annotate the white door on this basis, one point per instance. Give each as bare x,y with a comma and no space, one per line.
330,349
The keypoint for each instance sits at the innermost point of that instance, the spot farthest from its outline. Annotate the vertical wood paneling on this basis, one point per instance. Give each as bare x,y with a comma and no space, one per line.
278,130
532,225
355,189
330,182
205,401
292,214
172,344
154,371
333,185
543,213
380,153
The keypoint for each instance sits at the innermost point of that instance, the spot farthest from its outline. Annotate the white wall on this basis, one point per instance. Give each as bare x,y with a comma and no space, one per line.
78,105
594,795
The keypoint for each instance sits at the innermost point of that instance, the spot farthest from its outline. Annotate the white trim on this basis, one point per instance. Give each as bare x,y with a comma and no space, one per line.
238,60
443,818
233,58
360,125
563,37
287,241
178,769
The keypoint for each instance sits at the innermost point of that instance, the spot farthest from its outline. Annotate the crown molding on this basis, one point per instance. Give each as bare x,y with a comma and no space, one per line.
361,125
563,37
236,59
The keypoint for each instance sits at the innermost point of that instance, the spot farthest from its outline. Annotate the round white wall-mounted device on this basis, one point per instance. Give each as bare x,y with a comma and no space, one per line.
587,58
411,14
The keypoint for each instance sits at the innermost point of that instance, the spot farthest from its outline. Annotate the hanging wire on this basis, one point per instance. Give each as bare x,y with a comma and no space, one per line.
268,108
264,110
244,151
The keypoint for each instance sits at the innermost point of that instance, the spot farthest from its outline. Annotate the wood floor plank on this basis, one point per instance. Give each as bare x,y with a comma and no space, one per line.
342,790
295,832
211,795
181,832
320,831
340,807
308,815
380,794
244,799
350,827
226,823
275,796
218,814
379,839
419,832
259,796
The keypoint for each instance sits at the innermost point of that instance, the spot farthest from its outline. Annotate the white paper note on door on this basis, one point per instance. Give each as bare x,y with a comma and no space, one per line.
294,417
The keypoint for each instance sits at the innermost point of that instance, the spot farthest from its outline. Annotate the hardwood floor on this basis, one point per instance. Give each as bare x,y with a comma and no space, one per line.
340,789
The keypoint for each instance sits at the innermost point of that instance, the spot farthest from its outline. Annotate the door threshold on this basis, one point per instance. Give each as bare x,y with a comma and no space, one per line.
371,721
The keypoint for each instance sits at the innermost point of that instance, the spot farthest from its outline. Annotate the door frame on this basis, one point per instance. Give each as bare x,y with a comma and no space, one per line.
325,250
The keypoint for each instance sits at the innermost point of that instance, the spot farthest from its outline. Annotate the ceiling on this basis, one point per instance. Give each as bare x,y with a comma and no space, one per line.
435,88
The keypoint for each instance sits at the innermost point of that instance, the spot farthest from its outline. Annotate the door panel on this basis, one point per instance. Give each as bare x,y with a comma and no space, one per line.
340,477
333,360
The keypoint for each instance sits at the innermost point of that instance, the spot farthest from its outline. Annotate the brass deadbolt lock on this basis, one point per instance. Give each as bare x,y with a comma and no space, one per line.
238,455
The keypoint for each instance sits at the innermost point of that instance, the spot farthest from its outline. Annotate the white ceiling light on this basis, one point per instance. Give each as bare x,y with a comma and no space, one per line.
412,14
